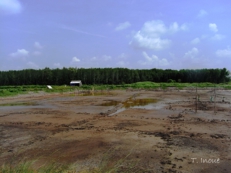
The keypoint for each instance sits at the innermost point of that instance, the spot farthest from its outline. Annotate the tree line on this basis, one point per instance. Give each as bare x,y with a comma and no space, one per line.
110,76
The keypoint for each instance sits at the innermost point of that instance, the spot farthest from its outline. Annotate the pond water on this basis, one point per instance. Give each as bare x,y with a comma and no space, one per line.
110,103
141,103
130,103
146,103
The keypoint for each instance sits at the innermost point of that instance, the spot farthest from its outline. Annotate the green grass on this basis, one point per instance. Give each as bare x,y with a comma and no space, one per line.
154,85
15,90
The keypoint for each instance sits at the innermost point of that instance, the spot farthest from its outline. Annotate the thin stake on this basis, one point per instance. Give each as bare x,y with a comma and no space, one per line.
214,106
196,99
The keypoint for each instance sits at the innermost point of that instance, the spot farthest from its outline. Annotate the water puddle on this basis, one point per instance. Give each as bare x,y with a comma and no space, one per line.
110,103
136,103
146,103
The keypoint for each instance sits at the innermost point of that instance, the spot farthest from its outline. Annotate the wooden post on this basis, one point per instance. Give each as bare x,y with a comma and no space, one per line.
196,100
229,105
214,105
93,91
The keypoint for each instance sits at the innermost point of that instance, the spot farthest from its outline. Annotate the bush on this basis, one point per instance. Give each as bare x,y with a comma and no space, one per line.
171,81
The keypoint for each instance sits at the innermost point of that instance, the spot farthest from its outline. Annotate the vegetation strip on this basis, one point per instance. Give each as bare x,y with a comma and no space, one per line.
104,89
109,76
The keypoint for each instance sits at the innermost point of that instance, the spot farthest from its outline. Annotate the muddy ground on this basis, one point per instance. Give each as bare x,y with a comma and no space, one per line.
136,130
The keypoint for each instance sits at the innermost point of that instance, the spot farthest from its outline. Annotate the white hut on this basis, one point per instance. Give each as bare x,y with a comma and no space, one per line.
49,87
76,83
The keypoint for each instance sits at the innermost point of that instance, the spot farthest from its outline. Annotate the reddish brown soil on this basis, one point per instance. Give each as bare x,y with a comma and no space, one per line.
72,129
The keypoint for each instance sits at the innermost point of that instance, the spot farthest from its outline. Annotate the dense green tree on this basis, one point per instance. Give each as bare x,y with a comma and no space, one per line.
109,76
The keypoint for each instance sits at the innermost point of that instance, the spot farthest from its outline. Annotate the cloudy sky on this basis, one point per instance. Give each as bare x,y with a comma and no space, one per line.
139,34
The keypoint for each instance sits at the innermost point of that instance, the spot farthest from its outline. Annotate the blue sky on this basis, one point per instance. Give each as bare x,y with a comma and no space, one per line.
141,34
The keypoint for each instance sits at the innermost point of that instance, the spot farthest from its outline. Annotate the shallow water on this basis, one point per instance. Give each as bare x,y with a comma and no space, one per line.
141,103
110,103
132,103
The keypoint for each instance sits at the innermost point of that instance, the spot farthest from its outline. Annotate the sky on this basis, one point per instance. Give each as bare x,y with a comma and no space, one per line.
134,34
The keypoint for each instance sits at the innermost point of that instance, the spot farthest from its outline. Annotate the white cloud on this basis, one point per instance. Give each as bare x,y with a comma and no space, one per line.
122,26
10,7
58,65
218,37
153,60
175,27
75,60
204,36
148,58
154,28
148,42
194,60
195,41
106,57
20,53
101,58
213,27
192,53
81,32
122,56
202,13
122,64
32,65
150,35
37,45
94,58
37,53
224,53
184,27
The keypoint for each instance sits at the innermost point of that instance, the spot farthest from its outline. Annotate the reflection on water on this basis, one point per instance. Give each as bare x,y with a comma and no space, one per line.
146,103
110,103
139,103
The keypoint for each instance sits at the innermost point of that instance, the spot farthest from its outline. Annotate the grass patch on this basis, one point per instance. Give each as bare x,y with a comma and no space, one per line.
16,90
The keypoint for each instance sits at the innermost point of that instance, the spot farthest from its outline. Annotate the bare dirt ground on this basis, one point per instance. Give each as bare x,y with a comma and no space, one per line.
163,136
